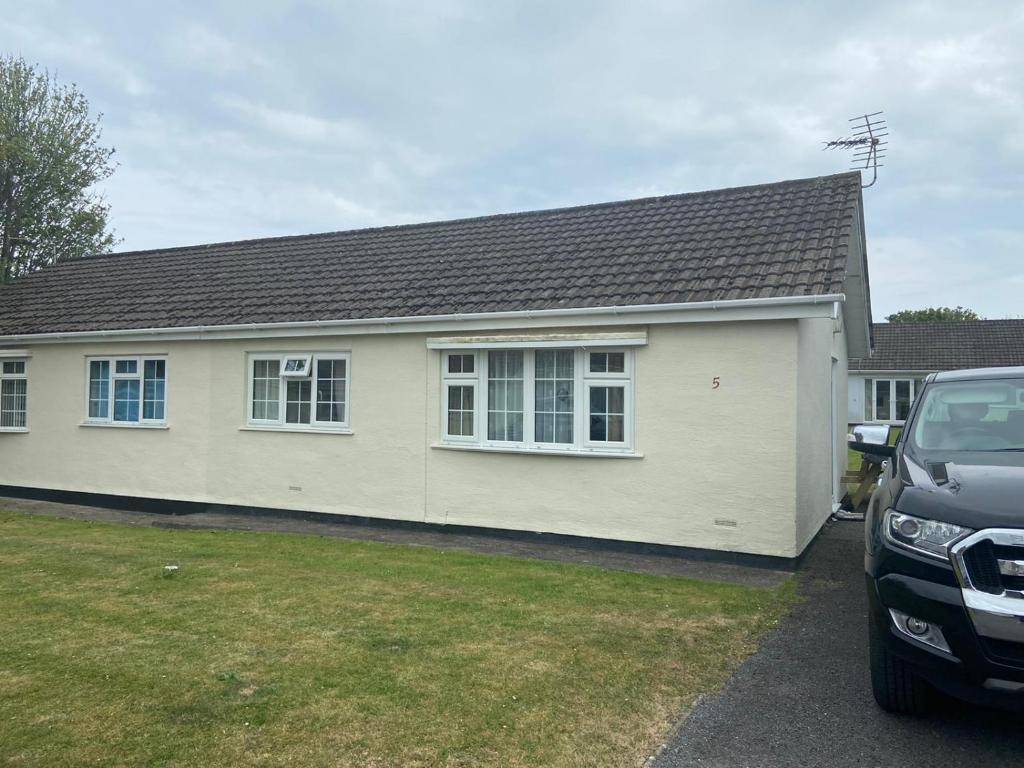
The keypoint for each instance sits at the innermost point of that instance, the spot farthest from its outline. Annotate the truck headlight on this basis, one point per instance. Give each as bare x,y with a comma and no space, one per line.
929,537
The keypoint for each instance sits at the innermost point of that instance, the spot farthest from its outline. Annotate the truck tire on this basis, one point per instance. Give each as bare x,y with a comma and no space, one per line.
895,686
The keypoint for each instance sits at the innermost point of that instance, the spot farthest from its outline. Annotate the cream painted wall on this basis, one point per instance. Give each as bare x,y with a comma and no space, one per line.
727,455
821,424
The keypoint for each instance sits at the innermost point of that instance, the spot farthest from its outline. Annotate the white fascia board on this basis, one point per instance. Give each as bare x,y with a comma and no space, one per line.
540,340
889,374
8,353
774,308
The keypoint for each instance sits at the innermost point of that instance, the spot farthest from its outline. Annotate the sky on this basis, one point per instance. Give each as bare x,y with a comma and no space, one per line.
234,120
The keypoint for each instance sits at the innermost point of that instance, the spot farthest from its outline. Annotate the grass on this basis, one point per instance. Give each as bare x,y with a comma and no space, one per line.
273,649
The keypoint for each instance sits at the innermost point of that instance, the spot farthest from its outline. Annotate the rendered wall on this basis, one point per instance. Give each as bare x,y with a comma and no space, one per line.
719,465
821,424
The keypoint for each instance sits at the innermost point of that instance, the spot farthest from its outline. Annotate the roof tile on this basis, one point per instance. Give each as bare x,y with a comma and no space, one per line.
784,239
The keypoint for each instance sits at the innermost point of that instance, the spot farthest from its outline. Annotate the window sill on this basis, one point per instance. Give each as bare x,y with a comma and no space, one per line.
121,425
299,430
15,430
585,453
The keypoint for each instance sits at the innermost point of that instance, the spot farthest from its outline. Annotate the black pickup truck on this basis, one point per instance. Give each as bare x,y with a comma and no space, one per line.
945,547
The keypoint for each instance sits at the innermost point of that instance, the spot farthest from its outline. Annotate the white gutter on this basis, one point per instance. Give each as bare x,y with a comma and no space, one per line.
613,314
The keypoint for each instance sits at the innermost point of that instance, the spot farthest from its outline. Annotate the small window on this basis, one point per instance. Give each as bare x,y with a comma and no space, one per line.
296,367
607,362
461,410
461,363
127,390
290,391
607,414
13,396
890,399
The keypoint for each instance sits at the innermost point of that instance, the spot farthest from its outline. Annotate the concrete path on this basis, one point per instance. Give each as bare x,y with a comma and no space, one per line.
805,699
662,565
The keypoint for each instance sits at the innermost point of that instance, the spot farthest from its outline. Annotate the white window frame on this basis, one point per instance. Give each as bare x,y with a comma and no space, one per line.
300,373
140,376
870,415
279,424
15,377
582,381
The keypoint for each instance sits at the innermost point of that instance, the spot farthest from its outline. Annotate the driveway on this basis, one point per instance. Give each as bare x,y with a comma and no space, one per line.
805,700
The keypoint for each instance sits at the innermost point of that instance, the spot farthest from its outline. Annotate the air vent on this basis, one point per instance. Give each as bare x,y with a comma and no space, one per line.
939,473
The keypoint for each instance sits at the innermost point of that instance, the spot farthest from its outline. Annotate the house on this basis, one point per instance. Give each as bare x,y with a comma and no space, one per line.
664,371
883,386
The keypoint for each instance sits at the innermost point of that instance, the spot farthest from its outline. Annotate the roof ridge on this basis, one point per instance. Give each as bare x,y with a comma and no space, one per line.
463,220
979,321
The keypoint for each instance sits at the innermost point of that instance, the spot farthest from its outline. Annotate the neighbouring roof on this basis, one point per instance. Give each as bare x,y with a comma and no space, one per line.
773,240
927,347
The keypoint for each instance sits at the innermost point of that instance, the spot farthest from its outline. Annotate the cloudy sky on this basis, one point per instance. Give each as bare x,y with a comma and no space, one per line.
249,119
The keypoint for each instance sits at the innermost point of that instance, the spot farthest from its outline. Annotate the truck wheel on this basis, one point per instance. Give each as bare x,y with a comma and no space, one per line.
897,689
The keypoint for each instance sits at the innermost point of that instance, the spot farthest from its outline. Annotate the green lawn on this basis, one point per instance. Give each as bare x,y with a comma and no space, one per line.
274,649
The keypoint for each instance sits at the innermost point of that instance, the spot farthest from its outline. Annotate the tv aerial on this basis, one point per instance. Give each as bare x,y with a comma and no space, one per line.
866,142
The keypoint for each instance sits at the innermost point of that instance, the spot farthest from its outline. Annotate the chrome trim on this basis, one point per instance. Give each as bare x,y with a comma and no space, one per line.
1011,567
933,637
997,616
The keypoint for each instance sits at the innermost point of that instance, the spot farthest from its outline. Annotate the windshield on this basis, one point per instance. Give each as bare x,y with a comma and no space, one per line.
971,416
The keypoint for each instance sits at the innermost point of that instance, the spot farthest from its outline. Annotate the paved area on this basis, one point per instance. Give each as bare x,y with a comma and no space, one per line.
804,699
662,565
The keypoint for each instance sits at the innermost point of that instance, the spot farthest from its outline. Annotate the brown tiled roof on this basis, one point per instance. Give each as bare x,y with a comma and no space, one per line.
948,346
784,239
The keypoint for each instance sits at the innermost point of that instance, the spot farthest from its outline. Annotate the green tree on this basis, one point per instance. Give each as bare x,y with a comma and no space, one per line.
50,161
934,314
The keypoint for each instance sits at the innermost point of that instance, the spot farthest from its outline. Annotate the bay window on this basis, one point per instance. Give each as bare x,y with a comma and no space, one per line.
299,391
126,391
13,396
549,399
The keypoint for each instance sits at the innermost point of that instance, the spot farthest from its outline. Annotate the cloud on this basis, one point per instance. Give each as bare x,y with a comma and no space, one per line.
199,46
70,53
314,116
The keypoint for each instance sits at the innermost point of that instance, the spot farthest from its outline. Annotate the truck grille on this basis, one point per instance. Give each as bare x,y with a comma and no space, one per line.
983,568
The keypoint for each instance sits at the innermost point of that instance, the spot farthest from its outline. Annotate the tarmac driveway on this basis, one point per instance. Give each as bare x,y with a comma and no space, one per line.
805,699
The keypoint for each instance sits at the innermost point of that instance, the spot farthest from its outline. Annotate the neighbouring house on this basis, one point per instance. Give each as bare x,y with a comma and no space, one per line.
884,385
663,371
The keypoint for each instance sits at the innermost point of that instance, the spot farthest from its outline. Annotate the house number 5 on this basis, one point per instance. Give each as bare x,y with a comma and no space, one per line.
716,382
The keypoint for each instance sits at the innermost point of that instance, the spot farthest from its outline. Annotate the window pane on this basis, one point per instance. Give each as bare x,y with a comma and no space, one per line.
126,366
126,400
883,399
460,363
607,414
14,367
330,390
298,398
296,365
13,400
266,390
616,362
153,388
902,399
99,389
598,362
869,411
505,395
553,396
460,410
